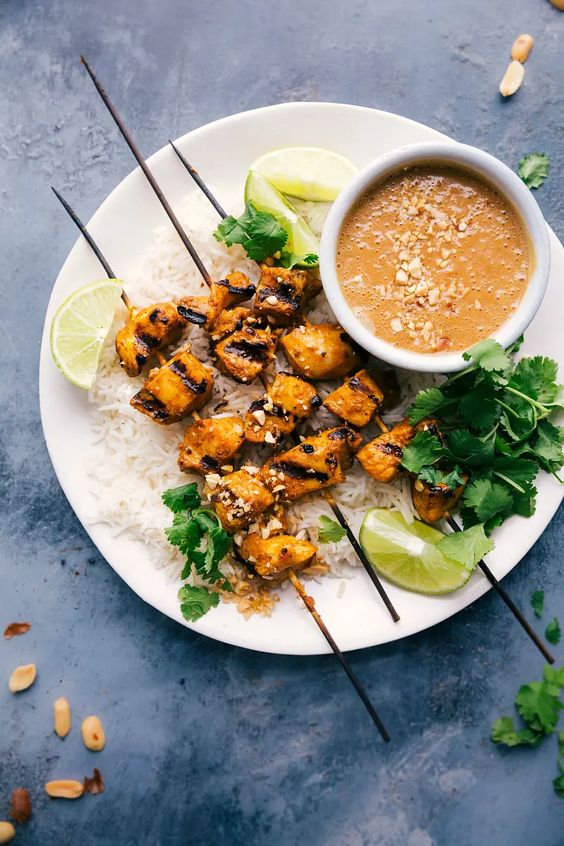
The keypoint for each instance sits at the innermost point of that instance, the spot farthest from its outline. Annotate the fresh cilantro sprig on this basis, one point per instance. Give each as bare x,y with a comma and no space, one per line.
467,547
496,432
533,169
537,602
329,530
539,705
199,535
553,632
260,233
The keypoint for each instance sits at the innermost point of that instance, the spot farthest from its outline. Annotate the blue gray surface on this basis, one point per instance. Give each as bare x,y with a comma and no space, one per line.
208,744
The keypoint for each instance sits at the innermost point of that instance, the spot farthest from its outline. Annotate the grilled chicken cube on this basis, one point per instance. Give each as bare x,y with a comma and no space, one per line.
238,498
208,445
282,292
433,502
381,458
357,400
232,320
317,463
147,331
195,310
289,400
320,351
270,557
246,352
234,289
172,391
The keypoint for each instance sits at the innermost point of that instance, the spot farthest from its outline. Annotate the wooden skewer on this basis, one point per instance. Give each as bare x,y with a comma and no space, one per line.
92,244
329,498
501,592
310,605
144,167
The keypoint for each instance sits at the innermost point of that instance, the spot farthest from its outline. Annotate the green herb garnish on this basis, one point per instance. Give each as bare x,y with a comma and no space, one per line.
537,602
495,430
467,547
539,706
553,632
533,169
329,530
199,535
260,233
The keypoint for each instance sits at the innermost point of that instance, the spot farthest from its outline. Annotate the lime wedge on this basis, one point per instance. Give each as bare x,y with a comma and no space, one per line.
80,327
407,553
309,173
265,197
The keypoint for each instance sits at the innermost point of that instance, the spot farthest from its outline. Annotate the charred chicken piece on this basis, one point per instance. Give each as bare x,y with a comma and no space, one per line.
357,400
317,463
381,458
195,310
320,351
289,400
228,292
246,352
147,330
281,293
172,391
433,502
208,445
238,498
232,320
270,557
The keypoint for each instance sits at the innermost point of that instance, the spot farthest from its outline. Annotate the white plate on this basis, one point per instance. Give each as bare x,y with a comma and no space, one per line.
123,225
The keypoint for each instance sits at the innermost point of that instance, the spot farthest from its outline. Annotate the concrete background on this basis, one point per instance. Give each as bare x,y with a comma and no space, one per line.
209,744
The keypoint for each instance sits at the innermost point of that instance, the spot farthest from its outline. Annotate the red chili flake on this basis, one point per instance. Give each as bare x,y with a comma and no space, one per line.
95,784
16,629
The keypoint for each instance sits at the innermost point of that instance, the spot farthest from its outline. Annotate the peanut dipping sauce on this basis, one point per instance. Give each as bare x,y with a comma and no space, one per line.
433,259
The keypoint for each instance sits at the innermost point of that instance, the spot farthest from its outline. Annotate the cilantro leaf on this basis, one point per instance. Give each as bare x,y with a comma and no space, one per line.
538,706
182,498
479,406
469,449
548,446
185,533
553,632
196,601
533,169
427,402
558,784
537,602
560,739
536,377
260,233
329,530
425,448
487,499
554,676
504,732
467,547
518,472
435,476
290,260
489,355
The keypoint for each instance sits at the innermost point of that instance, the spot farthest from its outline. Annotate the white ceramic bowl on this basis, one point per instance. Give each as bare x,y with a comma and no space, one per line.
470,159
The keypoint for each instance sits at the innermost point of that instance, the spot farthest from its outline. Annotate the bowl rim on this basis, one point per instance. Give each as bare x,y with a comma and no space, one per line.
489,169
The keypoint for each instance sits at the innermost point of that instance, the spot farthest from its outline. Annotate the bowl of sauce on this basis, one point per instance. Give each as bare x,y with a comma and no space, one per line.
431,249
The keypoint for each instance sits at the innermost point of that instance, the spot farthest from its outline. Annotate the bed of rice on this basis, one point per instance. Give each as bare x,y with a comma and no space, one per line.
132,460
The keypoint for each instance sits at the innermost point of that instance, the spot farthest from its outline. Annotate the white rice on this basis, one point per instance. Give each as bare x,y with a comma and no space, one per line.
132,460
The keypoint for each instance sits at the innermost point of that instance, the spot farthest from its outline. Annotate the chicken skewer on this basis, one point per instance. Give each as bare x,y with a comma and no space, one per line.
446,504
295,345
298,586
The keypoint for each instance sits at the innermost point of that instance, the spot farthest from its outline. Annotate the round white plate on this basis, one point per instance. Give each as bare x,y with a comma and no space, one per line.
123,225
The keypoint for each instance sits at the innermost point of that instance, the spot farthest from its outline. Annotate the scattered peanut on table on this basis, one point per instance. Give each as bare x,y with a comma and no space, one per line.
62,716
522,47
93,734
22,678
7,831
64,789
20,808
512,79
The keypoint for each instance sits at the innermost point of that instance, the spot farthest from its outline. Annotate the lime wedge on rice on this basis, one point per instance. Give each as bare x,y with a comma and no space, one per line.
407,553
79,329
266,198
309,173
